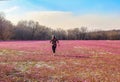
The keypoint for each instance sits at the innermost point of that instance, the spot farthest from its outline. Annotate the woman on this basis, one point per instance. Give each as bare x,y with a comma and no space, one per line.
54,42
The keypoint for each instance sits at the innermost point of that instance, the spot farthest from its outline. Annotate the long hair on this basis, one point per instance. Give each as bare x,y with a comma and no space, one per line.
53,37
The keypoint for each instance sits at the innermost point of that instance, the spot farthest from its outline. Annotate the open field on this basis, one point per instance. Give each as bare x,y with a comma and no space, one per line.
75,61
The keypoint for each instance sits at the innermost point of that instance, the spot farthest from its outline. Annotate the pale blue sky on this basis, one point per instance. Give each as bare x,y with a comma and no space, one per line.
61,13
75,6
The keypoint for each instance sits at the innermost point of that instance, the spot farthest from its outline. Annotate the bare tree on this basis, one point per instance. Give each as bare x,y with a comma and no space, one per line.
60,33
34,26
5,28
70,34
83,32
22,31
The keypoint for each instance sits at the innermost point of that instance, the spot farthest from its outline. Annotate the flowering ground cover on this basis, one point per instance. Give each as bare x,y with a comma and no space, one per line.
75,61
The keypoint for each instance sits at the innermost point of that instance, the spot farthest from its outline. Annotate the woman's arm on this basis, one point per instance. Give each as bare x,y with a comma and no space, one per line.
58,42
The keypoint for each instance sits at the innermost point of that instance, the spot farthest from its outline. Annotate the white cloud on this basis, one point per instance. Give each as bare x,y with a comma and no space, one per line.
11,9
66,20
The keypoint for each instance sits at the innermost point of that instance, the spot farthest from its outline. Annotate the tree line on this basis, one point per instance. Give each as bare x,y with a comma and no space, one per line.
30,30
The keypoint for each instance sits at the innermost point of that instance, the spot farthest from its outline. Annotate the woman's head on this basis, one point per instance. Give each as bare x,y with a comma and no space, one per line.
53,37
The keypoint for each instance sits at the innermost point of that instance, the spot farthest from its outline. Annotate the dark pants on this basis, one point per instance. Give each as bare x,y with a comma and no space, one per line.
53,48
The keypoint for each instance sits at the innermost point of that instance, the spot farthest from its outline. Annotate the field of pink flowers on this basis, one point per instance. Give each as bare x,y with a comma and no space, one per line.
75,61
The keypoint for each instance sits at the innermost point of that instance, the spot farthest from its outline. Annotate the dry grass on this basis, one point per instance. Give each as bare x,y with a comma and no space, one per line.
75,61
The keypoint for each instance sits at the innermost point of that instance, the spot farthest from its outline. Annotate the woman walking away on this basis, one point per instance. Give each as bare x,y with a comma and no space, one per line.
54,42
